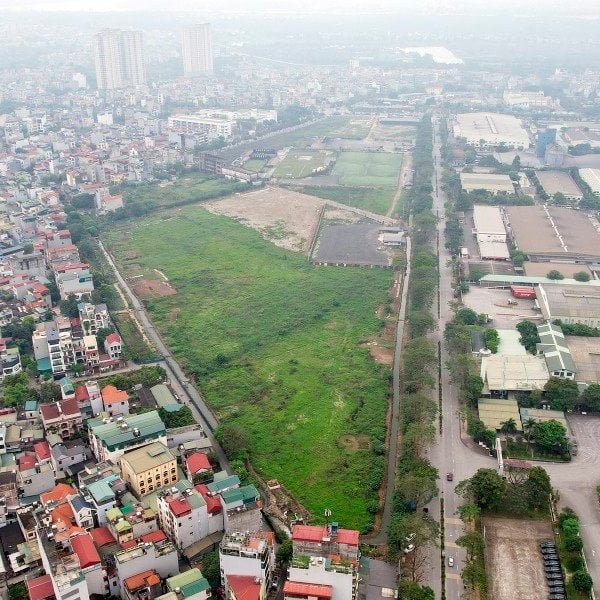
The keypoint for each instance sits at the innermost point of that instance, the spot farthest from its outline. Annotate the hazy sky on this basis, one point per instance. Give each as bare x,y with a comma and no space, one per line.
587,7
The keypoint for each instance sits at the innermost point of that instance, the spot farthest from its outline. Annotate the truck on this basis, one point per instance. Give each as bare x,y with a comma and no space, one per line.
522,291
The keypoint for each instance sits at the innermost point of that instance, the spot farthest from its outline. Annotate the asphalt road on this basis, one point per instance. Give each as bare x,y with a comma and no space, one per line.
178,380
449,454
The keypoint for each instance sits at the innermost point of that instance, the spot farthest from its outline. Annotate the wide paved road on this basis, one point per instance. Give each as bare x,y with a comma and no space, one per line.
449,454
180,383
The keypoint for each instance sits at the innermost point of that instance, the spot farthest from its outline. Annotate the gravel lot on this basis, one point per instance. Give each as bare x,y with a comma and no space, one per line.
513,560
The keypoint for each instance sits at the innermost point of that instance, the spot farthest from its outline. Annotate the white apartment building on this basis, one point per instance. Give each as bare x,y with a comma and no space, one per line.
119,59
196,48
212,127
247,554
183,514
93,317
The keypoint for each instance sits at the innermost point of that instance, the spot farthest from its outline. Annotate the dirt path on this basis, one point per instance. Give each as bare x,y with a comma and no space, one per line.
372,129
404,169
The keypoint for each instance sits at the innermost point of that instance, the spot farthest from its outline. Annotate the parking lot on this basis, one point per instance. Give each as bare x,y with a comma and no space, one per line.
513,559
494,302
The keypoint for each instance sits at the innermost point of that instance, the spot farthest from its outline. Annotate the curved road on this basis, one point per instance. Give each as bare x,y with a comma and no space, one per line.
177,377
381,538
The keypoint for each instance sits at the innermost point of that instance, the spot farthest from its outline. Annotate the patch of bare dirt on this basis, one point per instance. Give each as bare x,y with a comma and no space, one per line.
147,289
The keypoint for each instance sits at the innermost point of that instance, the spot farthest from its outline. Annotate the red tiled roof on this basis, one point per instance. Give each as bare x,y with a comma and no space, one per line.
102,536
60,492
68,408
154,537
42,449
198,462
128,545
40,588
27,461
111,395
180,507
295,588
81,393
348,537
83,546
213,504
316,533
113,338
244,587
147,578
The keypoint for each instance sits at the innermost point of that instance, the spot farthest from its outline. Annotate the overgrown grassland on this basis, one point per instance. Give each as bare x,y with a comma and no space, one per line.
368,168
376,200
275,344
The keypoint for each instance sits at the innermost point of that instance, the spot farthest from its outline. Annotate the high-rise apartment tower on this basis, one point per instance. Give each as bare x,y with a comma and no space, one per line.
119,59
197,50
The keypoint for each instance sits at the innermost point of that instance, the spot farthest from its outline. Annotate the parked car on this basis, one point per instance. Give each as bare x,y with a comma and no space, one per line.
548,550
556,596
275,582
556,569
449,476
450,561
551,563
547,544
554,576
409,548
550,558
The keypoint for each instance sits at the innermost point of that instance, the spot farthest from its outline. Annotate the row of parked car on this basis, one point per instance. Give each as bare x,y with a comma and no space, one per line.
554,574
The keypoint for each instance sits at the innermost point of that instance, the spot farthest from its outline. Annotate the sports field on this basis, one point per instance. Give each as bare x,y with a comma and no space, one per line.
276,346
373,169
299,163
353,129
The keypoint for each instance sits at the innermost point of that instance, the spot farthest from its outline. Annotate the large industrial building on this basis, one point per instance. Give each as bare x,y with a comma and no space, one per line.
570,303
119,59
490,232
484,129
592,178
555,182
490,182
552,233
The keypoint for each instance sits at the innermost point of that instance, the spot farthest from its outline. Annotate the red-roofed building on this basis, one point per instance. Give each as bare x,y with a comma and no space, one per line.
144,585
113,346
102,537
245,587
304,591
116,402
27,462
198,468
183,516
83,546
64,417
40,588
42,451
59,494
154,536
325,541
213,504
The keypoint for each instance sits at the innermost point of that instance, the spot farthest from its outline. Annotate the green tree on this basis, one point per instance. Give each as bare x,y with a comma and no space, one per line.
211,569
550,436
561,394
415,491
570,527
485,487
233,440
582,581
590,398
50,392
492,339
102,334
473,543
560,199
466,316
18,591
178,418
528,426
573,543
581,276
284,552
420,323
529,335
68,307
469,513
508,427
410,590
555,275
538,487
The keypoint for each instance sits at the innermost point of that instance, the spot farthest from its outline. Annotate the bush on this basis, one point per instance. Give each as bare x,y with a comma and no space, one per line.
492,340
573,543
570,527
574,563
555,275
582,581
581,276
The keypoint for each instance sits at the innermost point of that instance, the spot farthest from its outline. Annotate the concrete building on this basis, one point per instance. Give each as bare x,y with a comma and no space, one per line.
149,468
196,49
325,540
111,438
490,182
310,577
93,317
131,522
554,182
183,514
554,348
570,303
250,554
102,486
528,100
189,585
483,130
490,232
502,373
241,508
119,59
245,587
212,127
115,402
63,417
586,355
592,178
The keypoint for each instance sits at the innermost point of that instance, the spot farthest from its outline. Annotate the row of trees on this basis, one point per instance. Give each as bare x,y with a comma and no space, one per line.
412,530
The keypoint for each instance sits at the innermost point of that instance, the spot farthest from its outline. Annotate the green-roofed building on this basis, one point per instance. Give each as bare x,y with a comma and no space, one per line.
191,585
111,438
241,509
164,398
223,481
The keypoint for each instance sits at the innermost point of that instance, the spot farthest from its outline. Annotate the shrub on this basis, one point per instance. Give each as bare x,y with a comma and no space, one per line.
492,340
573,543
582,581
574,563
570,526
581,276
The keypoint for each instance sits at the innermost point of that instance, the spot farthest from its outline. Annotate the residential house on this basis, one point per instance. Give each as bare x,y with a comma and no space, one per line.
113,346
189,585
241,508
9,500
131,522
102,486
143,586
244,587
198,468
93,318
83,511
115,402
34,478
68,456
62,417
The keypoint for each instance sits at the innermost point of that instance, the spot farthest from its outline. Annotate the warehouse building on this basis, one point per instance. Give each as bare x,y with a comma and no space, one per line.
586,355
495,411
570,303
592,178
504,373
490,232
555,182
553,347
547,233
490,182
541,415
484,129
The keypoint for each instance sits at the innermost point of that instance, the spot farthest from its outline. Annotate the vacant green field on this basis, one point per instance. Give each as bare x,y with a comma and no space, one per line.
255,164
299,163
136,348
376,200
188,188
275,346
373,169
